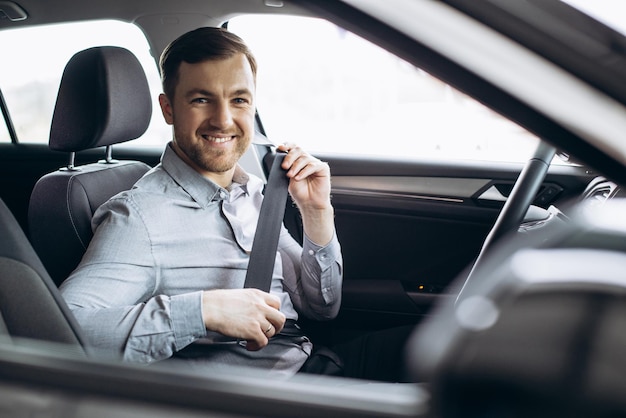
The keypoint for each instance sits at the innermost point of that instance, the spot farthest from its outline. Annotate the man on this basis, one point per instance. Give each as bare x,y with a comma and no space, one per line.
164,273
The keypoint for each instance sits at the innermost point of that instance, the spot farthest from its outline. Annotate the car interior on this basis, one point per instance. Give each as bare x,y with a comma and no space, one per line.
103,100
510,272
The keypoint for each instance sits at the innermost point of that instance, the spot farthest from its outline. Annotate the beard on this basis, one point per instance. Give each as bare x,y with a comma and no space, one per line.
210,159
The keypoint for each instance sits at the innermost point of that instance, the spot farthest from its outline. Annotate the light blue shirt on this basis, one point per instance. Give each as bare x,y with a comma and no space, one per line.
156,247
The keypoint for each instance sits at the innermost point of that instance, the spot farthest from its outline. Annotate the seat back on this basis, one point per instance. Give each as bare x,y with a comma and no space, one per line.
103,99
30,304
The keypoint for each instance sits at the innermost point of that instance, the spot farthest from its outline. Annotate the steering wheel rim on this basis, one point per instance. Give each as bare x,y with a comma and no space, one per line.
517,204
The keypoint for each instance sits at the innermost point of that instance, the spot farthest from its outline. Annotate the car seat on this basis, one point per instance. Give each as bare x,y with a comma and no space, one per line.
30,304
103,99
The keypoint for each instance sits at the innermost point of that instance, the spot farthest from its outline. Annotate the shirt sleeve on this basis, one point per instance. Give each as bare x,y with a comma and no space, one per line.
313,276
111,292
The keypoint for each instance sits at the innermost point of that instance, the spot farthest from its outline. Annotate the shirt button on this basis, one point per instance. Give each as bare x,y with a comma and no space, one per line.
222,194
311,252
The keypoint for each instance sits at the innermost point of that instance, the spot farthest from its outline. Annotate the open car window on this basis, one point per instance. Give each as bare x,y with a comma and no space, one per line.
30,79
336,92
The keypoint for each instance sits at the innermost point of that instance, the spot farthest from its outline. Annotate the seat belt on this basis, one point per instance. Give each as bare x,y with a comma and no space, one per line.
265,242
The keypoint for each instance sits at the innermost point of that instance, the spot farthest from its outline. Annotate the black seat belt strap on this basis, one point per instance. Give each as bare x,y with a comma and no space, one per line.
265,243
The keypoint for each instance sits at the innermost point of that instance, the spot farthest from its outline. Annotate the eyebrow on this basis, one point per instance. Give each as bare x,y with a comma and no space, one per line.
242,92
203,92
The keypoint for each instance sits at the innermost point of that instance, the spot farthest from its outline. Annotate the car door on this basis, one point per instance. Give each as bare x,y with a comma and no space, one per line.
409,229
410,220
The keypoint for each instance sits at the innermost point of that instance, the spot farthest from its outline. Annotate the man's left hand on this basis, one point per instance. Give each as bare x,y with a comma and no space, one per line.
309,187
310,178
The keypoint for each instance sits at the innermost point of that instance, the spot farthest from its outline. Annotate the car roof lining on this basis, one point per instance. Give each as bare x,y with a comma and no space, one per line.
42,12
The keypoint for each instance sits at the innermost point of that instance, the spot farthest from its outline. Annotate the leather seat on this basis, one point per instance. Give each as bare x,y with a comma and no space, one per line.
30,304
103,99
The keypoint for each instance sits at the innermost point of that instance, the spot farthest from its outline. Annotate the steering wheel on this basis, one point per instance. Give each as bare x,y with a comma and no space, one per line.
516,205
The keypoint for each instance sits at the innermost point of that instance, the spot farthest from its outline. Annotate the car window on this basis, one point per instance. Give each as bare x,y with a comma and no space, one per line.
4,130
332,91
30,79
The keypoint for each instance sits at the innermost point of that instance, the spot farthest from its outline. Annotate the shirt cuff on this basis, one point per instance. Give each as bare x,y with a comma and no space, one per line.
325,256
329,260
186,314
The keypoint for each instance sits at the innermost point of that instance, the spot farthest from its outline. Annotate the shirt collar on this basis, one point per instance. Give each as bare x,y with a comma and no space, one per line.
201,189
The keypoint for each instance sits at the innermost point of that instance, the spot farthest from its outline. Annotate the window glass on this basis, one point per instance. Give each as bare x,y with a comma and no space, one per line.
332,91
4,130
31,78
4,133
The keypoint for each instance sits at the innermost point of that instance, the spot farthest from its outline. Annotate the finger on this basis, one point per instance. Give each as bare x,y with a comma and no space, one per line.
293,154
287,146
277,320
315,168
261,338
258,339
269,331
274,317
295,162
253,345
263,298
270,300
295,169
270,311
300,164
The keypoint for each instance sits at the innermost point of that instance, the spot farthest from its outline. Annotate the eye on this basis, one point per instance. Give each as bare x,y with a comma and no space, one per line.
200,100
240,101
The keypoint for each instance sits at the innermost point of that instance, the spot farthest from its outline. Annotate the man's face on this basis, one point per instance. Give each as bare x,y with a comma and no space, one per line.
212,112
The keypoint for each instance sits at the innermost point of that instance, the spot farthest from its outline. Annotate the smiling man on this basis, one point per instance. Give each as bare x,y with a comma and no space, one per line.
163,275
214,117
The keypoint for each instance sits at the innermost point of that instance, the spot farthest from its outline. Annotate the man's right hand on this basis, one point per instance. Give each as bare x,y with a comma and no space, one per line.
247,314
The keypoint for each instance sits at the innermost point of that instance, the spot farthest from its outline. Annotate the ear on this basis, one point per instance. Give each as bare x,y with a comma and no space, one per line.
166,109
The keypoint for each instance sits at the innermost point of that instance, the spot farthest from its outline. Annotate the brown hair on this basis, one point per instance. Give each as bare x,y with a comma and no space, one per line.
202,44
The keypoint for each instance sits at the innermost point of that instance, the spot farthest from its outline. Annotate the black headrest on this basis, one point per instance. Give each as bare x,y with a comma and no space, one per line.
103,99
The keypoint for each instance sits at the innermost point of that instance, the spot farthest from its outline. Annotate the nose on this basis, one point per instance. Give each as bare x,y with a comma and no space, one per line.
221,116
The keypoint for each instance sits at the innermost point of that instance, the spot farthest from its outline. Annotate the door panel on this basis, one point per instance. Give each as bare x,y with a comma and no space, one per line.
408,229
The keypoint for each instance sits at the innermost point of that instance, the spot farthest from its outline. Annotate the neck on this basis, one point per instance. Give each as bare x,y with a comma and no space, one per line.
221,179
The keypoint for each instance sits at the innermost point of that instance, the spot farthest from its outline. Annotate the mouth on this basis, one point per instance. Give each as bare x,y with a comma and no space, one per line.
218,139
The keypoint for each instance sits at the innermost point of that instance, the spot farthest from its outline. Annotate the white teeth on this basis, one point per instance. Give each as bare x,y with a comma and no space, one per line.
217,140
